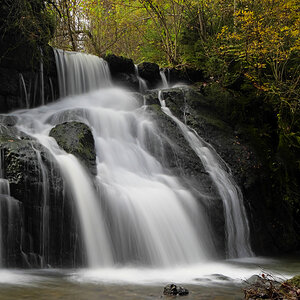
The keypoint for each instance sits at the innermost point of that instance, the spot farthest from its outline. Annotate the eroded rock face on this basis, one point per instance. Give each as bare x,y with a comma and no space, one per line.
44,227
76,138
175,154
119,64
268,227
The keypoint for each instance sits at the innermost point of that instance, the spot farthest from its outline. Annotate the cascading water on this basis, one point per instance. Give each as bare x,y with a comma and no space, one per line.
9,217
164,80
236,223
80,73
142,83
133,211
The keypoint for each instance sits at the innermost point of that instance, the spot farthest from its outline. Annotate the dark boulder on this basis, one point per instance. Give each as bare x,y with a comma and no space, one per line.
76,138
174,290
184,75
122,70
45,230
150,72
119,64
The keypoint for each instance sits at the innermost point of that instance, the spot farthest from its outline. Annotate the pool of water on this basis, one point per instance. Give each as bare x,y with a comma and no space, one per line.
216,280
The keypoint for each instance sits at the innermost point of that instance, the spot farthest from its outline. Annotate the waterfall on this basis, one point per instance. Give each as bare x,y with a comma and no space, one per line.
142,83
41,75
9,216
164,80
24,89
80,73
236,223
133,211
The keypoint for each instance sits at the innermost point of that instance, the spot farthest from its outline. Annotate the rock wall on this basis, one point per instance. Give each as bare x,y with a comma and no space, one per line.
271,220
45,230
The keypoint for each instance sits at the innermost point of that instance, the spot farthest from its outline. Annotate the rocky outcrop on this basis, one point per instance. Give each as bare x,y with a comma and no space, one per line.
76,138
119,64
28,87
27,68
270,225
44,226
122,71
150,72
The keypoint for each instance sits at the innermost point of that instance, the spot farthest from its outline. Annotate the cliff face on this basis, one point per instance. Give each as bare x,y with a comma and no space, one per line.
27,68
272,219
38,223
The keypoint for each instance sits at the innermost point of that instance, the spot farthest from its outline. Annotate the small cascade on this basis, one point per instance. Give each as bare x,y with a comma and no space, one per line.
80,73
9,218
44,223
24,91
52,98
41,75
236,223
142,83
164,80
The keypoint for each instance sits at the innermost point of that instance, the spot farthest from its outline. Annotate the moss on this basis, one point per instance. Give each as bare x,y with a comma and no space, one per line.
76,138
295,281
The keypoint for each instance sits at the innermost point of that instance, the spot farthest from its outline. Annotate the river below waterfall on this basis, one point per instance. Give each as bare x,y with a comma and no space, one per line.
217,280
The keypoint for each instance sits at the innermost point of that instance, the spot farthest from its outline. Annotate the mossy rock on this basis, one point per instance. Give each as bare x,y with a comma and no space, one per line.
295,281
76,138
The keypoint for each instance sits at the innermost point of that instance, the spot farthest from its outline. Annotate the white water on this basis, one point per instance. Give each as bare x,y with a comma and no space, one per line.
134,212
164,80
79,73
137,213
9,210
142,82
24,89
236,223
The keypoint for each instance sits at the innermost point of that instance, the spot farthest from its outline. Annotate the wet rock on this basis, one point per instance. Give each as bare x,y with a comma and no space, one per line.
8,120
272,223
174,290
150,72
151,97
37,196
295,281
175,154
119,64
122,70
76,138
128,81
